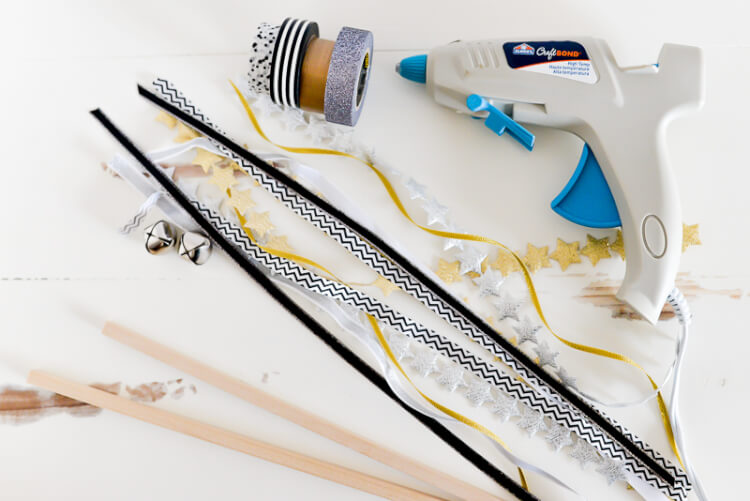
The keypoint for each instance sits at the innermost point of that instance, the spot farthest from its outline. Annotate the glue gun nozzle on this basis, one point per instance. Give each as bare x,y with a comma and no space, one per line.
413,68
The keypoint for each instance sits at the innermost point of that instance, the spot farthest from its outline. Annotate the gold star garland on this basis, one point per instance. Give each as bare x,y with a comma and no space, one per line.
448,272
566,253
385,285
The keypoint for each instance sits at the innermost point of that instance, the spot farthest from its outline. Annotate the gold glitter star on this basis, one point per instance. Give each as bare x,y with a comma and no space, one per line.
206,159
566,254
184,133
690,236
223,178
596,249
536,258
618,245
166,119
279,243
448,272
505,262
259,223
384,285
241,200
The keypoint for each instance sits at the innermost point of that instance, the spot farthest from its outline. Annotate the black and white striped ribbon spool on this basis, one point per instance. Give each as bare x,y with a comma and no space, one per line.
292,41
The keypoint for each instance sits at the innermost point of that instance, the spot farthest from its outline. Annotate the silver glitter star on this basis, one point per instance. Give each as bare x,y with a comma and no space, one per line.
436,212
293,118
317,130
489,283
450,243
558,436
612,469
424,363
399,345
584,453
355,314
505,407
507,307
546,355
527,331
342,141
531,421
478,393
452,377
416,190
264,106
471,260
566,378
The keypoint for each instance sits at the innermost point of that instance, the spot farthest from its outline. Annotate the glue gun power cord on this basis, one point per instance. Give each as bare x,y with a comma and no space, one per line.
684,317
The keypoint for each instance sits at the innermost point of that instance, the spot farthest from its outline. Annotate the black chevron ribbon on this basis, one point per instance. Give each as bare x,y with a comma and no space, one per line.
349,233
313,325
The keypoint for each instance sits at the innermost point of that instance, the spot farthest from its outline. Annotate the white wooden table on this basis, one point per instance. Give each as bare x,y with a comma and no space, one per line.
64,269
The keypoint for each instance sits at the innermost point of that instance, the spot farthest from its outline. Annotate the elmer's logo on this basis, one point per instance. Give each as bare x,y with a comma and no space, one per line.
523,49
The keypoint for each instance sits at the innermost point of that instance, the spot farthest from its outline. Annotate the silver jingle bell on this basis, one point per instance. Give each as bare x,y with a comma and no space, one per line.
195,247
159,237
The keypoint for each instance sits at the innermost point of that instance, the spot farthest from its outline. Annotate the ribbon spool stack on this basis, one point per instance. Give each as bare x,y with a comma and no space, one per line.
297,68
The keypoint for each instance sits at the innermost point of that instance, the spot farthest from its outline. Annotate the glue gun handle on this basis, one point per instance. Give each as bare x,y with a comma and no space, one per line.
647,199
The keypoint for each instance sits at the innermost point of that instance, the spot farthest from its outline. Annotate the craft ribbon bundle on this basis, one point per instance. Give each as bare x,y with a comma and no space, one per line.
293,69
516,386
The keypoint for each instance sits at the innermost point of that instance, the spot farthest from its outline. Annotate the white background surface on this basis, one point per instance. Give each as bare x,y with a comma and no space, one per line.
64,269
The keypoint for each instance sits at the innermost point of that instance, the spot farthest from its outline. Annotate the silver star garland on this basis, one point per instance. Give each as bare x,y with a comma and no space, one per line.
452,377
558,436
531,421
450,243
399,345
546,355
264,106
490,282
293,118
584,453
471,260
507,307
436,212
527,331
424,363
416,190
612,469
478,393
505,407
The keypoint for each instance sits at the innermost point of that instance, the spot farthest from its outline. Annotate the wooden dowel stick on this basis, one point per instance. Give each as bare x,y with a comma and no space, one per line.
226,438
296,415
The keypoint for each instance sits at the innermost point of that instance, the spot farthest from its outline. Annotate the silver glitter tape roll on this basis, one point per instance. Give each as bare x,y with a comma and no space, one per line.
348,76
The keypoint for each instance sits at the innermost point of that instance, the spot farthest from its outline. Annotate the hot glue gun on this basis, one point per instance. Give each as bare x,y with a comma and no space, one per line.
623,177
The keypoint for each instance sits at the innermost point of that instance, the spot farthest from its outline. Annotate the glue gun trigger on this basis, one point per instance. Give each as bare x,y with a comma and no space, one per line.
587,199
499,122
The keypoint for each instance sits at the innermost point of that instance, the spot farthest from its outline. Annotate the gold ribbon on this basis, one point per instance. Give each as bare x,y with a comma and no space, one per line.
386,347
476,238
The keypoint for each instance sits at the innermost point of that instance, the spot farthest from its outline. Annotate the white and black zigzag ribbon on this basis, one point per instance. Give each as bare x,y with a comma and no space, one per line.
608,437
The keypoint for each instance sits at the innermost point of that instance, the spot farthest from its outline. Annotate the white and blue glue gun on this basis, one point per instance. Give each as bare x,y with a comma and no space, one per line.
623,177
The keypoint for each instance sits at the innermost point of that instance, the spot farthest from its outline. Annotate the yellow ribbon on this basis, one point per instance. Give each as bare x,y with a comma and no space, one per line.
446,410
476,238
